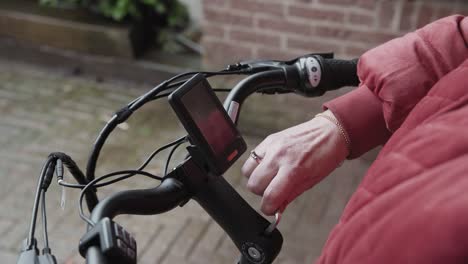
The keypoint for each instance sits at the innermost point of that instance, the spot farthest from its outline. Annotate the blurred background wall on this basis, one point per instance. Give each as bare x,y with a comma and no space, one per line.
288,28
195,8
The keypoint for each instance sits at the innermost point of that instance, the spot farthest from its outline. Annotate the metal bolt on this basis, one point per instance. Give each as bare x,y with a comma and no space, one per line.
254,253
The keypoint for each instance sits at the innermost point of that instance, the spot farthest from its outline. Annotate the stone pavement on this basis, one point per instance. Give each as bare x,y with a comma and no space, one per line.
45,110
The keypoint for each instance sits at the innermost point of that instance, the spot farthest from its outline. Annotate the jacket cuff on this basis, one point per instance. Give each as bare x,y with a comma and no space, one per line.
360,113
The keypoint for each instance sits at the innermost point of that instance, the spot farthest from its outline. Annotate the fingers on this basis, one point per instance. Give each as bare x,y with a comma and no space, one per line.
250,164
262,176
277,193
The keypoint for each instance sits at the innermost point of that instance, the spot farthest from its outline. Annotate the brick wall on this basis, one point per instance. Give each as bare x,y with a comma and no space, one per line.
236,29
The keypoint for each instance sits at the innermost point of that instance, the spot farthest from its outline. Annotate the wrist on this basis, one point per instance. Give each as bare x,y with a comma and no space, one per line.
343,135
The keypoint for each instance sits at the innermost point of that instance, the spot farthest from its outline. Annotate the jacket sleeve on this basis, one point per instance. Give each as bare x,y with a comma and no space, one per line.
394,77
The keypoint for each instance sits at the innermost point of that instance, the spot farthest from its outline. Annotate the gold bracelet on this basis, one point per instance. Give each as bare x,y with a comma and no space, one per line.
340,127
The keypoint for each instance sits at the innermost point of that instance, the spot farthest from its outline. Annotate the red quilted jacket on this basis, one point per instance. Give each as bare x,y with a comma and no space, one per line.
412,205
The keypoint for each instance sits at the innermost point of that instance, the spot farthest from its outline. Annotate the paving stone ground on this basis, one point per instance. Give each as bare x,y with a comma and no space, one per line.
45,110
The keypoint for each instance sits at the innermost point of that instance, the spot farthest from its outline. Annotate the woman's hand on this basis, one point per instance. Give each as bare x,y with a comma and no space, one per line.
294,160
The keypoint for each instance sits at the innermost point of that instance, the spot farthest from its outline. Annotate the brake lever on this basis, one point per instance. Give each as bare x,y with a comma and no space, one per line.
274,224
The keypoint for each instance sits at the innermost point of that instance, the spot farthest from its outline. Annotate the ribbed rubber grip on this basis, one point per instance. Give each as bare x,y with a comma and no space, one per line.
338,73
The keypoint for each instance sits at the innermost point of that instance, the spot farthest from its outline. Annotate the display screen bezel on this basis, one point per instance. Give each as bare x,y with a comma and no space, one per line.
217,163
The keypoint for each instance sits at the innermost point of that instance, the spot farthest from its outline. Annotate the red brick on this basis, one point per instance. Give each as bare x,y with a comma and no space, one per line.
359,19
314,13
277,54
462,9
226,17
355,51
299,27
408,16
223,52
258,7
255,38
341,34
426,15
365,4
310,45
211,3
445,11
386,14
283,26
213,31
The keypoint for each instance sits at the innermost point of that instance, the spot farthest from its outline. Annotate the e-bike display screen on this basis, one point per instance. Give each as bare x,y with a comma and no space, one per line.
209,127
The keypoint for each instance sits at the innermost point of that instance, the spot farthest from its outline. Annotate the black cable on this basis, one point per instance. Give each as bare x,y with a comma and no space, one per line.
71,185
145,163
44,221
171,85
222,90
159,96
129,173
65,160
117,119
125,113
125,177
161,87
174,148
81,186
39,190
142,166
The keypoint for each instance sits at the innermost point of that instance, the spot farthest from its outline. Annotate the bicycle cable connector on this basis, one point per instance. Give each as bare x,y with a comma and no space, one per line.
49,174
123,114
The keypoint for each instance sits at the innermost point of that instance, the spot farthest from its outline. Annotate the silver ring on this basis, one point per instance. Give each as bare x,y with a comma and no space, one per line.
255,156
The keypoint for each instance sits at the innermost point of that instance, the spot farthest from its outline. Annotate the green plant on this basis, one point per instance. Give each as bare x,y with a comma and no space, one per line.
57,3
161,13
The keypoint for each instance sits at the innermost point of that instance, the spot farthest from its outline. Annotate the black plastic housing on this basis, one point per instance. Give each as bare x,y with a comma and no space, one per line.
114,242
234,145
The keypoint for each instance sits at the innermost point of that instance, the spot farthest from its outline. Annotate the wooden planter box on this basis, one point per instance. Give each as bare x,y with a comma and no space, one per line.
75,30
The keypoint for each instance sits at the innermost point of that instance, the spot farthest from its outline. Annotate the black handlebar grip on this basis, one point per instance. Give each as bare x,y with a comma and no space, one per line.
339,73
314,75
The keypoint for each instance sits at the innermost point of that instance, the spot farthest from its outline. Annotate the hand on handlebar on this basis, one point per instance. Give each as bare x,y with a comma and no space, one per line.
294,160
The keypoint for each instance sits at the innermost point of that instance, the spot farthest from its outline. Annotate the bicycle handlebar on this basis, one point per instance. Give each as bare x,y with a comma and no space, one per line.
168,195
267,80
309,76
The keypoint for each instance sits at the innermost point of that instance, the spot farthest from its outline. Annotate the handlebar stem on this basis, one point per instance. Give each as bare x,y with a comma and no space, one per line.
241,222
